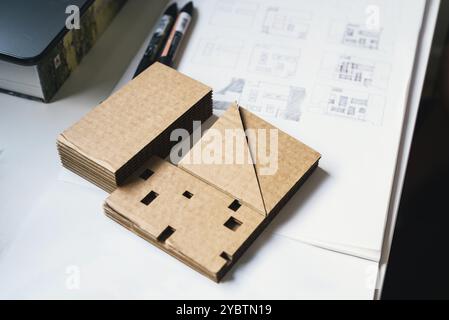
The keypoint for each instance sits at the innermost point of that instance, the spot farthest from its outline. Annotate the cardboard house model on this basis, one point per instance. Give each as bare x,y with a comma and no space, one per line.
204,212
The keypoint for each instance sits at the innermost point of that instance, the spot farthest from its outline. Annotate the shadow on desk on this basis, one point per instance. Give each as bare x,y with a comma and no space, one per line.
292,207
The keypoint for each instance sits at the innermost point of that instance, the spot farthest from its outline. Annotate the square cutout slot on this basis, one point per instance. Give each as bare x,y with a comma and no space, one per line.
234,206
167,233
226,256
188,195
232,224
149,198
146,174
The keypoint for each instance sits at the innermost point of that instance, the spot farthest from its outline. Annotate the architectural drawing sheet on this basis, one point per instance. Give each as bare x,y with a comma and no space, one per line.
334,74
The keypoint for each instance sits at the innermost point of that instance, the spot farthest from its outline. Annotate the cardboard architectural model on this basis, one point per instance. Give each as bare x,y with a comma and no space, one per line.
207,214
209,208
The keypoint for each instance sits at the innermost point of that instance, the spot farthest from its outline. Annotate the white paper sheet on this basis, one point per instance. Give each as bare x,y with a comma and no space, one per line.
334,74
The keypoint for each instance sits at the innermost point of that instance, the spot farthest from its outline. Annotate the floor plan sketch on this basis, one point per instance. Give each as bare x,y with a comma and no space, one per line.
350,104
356,71
349,70
274,100
286,23
361,37
344,69
279,101
234,13
274,61
218,52
354,35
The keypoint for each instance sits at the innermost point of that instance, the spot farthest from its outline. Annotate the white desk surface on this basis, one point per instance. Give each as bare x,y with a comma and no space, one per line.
55,241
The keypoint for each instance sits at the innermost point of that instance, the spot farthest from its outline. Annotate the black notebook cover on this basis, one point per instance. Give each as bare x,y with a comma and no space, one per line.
33,34
28,28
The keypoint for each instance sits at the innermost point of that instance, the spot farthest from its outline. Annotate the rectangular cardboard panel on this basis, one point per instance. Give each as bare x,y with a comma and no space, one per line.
196,230
124,131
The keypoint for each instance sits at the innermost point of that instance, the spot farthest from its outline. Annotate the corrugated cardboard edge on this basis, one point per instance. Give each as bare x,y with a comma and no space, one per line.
63,140
131,226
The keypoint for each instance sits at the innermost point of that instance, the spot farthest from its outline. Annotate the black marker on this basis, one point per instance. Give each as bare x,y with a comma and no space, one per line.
177,34
157,42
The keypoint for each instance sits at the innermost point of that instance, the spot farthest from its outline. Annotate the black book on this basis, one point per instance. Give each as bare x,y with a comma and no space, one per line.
40,44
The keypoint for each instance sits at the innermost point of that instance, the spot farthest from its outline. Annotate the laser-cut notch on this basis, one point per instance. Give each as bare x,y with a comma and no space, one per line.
146,174
149,198
188,195
227,257
235,205
167,233
232,224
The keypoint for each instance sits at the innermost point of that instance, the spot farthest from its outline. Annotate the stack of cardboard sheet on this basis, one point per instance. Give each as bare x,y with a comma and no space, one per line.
123,132
207,211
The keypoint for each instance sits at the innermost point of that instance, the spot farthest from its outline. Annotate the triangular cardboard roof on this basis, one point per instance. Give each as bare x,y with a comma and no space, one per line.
255,184
238,179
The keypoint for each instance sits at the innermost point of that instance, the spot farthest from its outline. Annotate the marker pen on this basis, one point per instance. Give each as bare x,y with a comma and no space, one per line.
178,32
158,39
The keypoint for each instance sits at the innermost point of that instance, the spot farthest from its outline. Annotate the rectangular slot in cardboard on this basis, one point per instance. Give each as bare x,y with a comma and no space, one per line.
235,205
188,195
149,198
232,224
167,233
146,174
